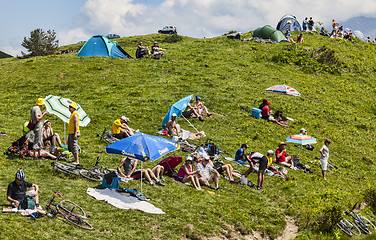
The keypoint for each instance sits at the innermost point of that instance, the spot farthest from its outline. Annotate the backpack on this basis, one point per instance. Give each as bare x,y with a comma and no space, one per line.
111,180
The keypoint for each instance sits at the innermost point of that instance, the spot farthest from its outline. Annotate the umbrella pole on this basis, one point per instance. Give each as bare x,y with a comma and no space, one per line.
141,177
190,123
65,136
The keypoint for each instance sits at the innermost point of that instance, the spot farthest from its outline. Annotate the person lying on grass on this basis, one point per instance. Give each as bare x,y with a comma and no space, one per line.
18,195
129,165
277,118
186,174
207,174
120,128
253,158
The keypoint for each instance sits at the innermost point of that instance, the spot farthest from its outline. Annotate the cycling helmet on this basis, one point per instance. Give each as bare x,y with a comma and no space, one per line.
20,175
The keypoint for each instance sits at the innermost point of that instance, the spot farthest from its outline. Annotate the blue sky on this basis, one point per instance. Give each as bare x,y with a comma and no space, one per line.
76,20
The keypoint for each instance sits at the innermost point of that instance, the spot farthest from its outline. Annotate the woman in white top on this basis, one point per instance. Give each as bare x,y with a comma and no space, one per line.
324,156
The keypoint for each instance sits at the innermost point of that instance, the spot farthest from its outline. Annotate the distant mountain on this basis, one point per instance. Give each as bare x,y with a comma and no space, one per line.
367,25
4,55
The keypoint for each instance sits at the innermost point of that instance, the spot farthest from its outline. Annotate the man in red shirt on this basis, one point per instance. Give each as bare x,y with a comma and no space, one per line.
265,112
283,158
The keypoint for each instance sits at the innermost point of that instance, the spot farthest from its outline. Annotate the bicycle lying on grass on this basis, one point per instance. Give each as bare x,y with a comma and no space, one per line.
360,223
95,173
71,212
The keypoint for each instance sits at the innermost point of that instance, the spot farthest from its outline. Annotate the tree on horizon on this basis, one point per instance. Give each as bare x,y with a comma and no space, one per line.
40,43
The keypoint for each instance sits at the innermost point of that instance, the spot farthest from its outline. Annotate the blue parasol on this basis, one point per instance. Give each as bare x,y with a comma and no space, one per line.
177,108
143,147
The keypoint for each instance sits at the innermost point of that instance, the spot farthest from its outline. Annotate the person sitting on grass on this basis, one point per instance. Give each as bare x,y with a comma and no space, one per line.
200,107
239,152
227,169
289,36
120,128
191,111
265,112
282,158
300,39
270,166
49,135
263,104
253,158
156,51
171,127
18,195
130,164
142,50
186,174
204,175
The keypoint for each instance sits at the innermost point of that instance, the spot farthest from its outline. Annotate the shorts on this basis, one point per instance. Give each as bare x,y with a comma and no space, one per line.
265,117
263,163
73,144
137,174
324,164
116,136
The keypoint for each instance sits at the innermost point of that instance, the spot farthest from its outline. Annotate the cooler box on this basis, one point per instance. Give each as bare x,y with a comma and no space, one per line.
256,113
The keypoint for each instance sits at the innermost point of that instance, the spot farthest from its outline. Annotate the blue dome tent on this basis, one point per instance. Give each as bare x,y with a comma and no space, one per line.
289,22
100,46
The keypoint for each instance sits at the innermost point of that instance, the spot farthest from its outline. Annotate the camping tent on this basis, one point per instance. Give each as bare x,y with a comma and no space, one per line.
4,55
267,32
289,22
100,46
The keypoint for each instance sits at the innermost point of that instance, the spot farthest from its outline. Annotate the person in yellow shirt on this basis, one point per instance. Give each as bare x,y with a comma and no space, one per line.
120,128
74,132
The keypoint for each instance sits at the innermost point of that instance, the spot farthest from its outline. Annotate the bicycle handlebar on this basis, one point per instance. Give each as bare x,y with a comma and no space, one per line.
354,206
96,163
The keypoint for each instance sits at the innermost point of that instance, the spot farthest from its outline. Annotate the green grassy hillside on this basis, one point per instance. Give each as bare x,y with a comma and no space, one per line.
335,78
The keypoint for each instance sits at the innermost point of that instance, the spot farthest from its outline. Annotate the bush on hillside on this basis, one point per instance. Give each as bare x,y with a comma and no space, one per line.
173,38
321,60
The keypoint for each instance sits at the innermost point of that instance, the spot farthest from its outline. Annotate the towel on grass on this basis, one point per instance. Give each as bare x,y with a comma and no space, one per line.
124,202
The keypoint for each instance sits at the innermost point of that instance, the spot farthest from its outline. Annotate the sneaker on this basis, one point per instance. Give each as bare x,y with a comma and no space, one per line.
159,183
201,118
153,184
209,114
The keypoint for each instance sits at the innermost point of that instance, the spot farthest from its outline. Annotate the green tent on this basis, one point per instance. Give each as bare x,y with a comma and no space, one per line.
4,55
267,32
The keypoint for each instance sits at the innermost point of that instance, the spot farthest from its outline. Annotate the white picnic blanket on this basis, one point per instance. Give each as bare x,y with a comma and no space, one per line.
120,201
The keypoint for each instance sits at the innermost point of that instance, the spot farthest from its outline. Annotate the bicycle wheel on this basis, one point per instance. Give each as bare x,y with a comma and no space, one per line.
91,175
362,226
367,222
70,207
344,228
352,227
66,168
78,221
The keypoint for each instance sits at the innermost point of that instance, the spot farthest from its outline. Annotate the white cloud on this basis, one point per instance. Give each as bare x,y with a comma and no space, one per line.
72,36
198,18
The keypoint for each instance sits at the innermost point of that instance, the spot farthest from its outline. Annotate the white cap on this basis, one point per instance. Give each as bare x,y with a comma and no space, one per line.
123,118
303,130
174,115
270,152
189,158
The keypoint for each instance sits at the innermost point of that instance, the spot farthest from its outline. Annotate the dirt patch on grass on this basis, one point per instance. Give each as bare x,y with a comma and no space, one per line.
291,230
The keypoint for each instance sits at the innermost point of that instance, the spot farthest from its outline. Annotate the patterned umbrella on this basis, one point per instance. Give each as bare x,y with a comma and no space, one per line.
59,107
284,90
358,34
301,139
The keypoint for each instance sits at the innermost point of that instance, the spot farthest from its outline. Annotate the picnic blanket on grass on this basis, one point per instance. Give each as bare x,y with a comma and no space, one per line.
124,202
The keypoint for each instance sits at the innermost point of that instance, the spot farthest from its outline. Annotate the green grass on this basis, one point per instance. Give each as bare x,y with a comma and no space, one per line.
337,83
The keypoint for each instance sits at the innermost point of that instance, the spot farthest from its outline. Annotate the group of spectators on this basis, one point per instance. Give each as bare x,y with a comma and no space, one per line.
267,114
155,52
44,136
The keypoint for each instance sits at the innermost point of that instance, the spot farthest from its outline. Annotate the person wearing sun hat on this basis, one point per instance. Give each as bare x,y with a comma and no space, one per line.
74,132
120,128
37,119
